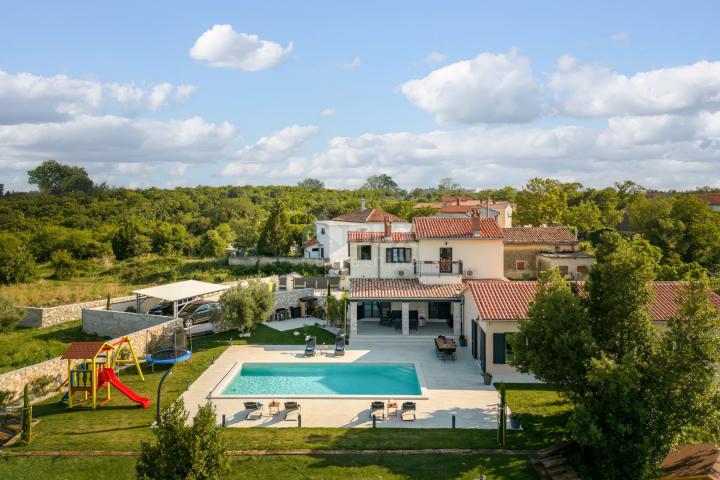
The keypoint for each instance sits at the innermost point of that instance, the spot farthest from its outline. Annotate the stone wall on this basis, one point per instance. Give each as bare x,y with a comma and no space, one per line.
47,317
56,368
287,299
108,323
248,261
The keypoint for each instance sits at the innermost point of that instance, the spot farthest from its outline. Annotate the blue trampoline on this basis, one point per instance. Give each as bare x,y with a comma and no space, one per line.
168,356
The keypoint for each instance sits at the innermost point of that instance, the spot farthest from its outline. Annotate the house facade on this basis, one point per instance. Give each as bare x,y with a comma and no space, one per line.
330,240
531,250
500,211
413,282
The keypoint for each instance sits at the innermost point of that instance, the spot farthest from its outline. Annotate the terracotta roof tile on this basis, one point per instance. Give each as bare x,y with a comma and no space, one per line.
310,242
504,300
444,227
369,215
397,288
380,237
551,235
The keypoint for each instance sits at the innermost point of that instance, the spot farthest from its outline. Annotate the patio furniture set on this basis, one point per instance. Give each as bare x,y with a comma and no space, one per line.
445,348
406,412
255,410
394,319
311,346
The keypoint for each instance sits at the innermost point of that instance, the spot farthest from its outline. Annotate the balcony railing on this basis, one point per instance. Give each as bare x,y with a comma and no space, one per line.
438,268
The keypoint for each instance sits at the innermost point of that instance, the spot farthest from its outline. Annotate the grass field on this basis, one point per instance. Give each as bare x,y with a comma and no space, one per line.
26,346
431,467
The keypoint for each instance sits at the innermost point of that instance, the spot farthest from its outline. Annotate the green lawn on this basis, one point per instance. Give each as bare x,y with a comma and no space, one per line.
543,413
431,467
26,346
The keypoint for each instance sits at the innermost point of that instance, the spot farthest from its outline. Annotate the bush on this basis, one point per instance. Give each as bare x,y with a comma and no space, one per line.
243,308
10,315
183,451
63,264
41,386
16,263
6,398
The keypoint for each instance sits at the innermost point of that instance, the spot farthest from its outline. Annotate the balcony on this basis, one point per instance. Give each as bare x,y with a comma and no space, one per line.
438,268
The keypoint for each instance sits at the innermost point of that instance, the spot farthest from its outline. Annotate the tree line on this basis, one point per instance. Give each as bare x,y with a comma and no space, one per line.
71,221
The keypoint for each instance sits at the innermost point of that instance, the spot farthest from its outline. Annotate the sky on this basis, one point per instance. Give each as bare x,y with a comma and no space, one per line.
490,94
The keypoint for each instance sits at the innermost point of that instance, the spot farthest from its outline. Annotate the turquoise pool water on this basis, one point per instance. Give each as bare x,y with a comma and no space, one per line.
288,379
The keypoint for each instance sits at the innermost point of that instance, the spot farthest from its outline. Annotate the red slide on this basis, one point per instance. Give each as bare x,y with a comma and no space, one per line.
109,375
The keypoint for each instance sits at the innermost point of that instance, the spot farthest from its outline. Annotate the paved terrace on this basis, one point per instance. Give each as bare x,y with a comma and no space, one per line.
450,387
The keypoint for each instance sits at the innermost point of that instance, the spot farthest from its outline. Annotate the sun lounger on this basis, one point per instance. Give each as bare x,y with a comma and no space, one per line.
254,410
340,346
310,346
376,407
291,409
407,409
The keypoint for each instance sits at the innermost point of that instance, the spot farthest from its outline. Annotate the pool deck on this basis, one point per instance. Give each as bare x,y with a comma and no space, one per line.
451,388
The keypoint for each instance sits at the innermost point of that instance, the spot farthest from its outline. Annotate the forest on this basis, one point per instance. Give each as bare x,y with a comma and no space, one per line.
70,227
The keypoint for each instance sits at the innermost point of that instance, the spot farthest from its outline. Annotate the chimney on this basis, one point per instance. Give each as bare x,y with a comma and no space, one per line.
457,201
362,204
388,229
475,222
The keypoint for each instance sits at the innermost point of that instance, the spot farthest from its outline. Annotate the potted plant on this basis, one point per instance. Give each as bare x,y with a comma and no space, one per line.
514,421
463,340
488,378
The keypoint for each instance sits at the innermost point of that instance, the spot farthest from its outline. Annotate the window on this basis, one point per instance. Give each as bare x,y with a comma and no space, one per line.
322,231
398,255
520,265
502,349
582,269
365,252
563,269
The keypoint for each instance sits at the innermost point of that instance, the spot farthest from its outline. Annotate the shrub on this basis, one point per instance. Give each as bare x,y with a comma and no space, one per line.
63,264
184,451
6,398
10,315
16,263
243,308
41,386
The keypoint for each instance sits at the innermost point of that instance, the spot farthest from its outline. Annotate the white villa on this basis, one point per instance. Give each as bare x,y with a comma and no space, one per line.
330,240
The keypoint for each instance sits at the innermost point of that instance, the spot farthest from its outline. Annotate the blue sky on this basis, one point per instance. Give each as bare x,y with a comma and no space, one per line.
501,92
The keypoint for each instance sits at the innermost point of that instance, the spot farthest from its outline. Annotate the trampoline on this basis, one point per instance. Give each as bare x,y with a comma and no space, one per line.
169,356
172,345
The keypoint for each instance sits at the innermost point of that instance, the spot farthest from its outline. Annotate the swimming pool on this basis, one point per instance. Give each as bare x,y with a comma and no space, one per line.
323,379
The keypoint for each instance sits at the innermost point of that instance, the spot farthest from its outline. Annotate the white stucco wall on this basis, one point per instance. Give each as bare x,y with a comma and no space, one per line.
370,268
483,257
334,240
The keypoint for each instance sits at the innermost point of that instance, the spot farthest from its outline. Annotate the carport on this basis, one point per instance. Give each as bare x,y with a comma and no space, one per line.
180,293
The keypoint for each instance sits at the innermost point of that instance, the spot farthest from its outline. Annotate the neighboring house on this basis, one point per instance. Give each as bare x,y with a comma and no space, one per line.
330,240
530,250
494,308
712,199
460,207
414,280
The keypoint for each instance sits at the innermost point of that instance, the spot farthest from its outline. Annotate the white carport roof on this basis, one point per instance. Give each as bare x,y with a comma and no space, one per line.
173,292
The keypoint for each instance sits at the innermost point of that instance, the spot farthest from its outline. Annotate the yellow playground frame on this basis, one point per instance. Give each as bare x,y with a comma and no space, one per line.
94,355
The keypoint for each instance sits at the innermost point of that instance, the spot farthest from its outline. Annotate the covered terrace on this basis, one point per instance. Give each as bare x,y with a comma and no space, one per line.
179,293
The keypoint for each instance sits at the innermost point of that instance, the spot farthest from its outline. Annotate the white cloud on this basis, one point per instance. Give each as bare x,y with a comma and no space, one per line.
435,57
490,88
595,91
620,37
28,98
355,62
328,112
279,146
221,46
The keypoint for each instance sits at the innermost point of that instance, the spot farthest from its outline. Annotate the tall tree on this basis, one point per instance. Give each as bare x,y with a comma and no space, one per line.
276,236
543,201
55,178
312,184
16,263
381,183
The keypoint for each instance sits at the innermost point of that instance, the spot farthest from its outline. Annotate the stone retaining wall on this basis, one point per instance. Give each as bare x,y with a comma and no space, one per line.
49,316
248,261
56,368
287,299
108,323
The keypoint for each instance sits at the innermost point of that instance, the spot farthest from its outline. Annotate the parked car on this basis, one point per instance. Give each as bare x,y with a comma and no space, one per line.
163,308
200,312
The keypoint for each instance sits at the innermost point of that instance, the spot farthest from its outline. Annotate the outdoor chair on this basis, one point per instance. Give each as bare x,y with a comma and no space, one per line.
376,407
406,410
340,346
385,321
310,343
254,410
291,408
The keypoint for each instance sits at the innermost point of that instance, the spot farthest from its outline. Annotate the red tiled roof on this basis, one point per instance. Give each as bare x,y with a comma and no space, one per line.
310,242
711,198
509,300
444,227
701,460
398,288
457,208
380,237
369,215
503,300
551,235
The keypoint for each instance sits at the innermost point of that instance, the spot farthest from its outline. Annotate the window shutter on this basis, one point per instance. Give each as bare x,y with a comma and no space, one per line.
388,255
498,348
